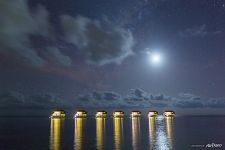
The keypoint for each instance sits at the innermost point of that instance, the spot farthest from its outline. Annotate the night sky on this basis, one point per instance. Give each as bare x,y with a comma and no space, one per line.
92,52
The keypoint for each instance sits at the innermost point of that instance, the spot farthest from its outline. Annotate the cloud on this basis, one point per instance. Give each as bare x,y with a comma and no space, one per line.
99,99
157,104
13,99
217,32
188,100
197,31
136,98
45,101
188,104
54,55
137,95
100,42
216,103
17,23
188,96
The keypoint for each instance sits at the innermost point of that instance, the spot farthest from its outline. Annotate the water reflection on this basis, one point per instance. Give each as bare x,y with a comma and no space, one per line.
55,133
118,132
100,133
78,133
135,132
161,133
169,130
152,132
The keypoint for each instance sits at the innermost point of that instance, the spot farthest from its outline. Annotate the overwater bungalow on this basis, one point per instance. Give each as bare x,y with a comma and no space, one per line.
58,114
101,114
169,113
152,113
80,114
135,114
118,114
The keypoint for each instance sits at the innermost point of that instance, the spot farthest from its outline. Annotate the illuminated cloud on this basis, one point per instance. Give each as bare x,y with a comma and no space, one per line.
100,41
56,56
17,25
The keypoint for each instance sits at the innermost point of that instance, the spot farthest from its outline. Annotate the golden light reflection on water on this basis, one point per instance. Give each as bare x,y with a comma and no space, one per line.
100,131
118,132
152,132
55,133
135,132
169,130
78,133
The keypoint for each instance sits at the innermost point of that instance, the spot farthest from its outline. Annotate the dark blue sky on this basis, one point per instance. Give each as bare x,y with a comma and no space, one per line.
76,46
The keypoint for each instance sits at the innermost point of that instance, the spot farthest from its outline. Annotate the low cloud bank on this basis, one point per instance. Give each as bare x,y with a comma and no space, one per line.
142,99
136,98
14,99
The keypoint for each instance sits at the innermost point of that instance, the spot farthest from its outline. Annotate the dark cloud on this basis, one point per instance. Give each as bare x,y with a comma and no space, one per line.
137,95
188,100
160,97
45,101
101,42
188,104
157,104
100,99
136,98
14,99
216,103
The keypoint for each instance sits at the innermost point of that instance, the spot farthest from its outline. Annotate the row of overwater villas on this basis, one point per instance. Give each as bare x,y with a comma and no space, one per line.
103,114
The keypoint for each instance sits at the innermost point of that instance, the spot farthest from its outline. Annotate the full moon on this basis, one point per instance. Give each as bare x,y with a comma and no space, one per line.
155,58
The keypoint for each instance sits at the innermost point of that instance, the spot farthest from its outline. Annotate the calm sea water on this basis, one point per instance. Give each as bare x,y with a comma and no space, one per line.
178,133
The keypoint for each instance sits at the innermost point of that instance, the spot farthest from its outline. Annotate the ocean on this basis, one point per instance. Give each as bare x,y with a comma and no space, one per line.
177,133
